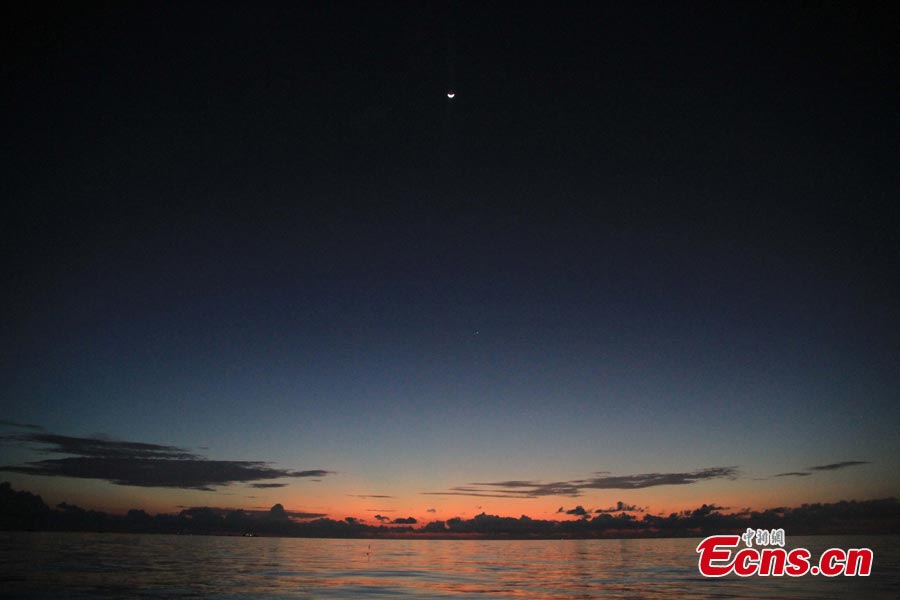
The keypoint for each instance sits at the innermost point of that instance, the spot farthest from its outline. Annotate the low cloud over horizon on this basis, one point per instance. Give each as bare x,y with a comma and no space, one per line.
829,467
257,511
575,488
621,507
839,465
142,464
364,496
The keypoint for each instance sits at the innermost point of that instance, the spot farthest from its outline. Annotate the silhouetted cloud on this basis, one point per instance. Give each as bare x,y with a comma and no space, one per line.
99,447
368,496
829,467
431,510
839,465
574,488
23,510
656,479
296,514
461,491
278,511
578,511
704,510
141,464
311,473
20,425
263,486
620,507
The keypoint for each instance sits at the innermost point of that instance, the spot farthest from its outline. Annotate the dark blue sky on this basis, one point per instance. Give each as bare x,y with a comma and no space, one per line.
652,238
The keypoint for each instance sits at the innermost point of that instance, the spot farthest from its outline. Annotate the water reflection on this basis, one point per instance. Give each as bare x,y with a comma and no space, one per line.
66,565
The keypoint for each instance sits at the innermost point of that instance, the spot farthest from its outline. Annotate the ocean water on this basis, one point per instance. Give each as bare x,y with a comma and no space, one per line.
78,565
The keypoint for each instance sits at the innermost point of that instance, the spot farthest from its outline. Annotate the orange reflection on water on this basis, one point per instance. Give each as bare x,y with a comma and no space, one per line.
171,566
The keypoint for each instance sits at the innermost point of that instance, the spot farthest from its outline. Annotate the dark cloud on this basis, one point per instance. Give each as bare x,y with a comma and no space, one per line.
24,511
513,484
305,515
99,447
198,474
263,486
656,479
368,496
574,488
839,465
578,511
258,511
620,507
218,510
460,491
20,425
311,473
431,510
406,521
829,467
706,509
141,464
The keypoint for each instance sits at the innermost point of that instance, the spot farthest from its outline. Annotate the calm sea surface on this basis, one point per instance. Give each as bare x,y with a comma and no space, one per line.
77,565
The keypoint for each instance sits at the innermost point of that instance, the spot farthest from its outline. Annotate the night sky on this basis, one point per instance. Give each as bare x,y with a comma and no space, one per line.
648,253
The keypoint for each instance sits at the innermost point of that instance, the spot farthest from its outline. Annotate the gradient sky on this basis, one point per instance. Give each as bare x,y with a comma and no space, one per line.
648,253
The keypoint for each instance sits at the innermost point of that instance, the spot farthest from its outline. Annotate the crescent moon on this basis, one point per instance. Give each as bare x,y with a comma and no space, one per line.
451,94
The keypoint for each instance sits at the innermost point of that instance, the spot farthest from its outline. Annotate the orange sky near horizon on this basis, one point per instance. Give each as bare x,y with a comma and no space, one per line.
334,502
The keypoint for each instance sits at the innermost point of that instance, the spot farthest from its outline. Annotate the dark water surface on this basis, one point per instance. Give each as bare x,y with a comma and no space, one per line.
78,565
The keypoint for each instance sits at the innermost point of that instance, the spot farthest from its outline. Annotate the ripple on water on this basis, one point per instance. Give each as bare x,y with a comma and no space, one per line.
73,565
